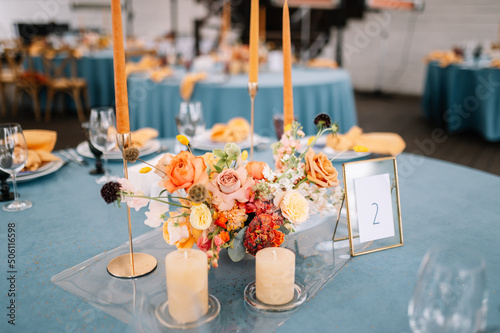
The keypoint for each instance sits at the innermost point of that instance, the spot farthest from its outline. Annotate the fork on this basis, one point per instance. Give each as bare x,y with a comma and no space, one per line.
77,157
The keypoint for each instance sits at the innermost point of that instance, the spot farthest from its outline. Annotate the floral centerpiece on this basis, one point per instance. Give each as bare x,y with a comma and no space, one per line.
223,201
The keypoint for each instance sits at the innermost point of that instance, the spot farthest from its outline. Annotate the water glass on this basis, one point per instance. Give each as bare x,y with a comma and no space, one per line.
450,294
13,157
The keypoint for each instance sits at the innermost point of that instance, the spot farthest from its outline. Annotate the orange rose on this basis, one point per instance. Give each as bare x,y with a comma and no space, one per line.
319,170
181,171
255,169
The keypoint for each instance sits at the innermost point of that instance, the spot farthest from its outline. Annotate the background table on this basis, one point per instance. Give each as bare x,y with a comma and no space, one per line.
442,204
314,91
462,97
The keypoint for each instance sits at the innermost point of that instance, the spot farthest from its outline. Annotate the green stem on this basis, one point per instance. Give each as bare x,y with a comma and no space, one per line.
154,167
300,183
156,199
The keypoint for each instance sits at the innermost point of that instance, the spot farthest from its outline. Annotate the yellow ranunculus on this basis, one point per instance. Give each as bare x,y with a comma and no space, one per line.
295,207
145,170
310,141
288,127
244,155
360,149
200,217
182,139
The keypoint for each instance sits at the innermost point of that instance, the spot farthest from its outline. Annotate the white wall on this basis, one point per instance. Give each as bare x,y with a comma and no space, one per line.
443,24
152,17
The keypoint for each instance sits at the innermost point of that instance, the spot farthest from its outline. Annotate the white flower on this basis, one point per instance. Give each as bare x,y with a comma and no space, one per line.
132,202
177,230
156,213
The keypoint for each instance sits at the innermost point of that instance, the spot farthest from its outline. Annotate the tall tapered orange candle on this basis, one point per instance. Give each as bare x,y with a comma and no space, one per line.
226,20
287,69
121,96
253,66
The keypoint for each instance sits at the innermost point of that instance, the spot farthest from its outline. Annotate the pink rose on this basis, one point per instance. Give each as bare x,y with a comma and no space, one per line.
230,185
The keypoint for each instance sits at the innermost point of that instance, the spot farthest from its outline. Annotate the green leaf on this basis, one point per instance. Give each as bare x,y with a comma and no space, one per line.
284,230
237,252
218,168
219,153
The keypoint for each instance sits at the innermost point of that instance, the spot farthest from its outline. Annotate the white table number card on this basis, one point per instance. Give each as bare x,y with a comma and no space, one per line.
374,207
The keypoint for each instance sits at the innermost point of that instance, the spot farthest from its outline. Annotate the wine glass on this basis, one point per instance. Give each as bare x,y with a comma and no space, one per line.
102,134
13,157
190,121
450,294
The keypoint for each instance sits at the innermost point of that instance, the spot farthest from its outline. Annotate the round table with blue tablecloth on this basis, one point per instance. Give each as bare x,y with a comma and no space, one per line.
370,294
463,97
314,91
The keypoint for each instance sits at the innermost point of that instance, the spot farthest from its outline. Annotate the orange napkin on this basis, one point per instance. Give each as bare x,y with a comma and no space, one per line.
495,63
40,144
142,136
159,74
322,63
236,130
376,142
445,58
146,63
188,83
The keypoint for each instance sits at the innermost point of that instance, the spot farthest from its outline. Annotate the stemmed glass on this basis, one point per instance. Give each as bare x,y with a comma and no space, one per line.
450,294
190,121
102,134
13,157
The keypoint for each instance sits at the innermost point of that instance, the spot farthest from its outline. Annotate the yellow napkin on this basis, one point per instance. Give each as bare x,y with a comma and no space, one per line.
142,136
40,144
159,74
188,83
376,142
236,130
445,58
322,63
146,63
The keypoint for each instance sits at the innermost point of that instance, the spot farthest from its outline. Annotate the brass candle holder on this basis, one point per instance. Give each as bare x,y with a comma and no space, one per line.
253,87
131,265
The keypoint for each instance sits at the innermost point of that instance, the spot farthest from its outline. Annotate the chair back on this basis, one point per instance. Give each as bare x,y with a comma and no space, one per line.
59,63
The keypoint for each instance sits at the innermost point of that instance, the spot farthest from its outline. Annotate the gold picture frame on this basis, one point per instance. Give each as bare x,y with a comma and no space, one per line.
366,168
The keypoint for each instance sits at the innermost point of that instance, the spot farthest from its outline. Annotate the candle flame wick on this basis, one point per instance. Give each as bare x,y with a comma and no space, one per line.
185,255
274,252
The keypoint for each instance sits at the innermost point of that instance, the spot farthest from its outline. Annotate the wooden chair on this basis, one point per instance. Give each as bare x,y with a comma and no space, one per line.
25,79
61,72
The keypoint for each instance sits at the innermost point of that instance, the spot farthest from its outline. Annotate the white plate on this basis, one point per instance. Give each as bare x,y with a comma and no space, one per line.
204,142
47,169
320,146
150,147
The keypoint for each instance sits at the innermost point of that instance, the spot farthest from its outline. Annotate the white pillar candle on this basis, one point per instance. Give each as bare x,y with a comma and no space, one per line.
187,284
275,275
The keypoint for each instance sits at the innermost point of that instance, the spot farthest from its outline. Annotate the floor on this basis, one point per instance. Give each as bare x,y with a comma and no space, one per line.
400,114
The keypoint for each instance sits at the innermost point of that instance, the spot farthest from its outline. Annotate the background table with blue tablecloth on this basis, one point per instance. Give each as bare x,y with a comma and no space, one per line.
370,294
314,91
463,97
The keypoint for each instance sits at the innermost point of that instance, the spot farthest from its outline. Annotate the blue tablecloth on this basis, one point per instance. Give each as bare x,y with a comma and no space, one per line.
462,97
97,69
442,204
315,91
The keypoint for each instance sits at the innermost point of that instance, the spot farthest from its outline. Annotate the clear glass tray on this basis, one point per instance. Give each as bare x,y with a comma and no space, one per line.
135,301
